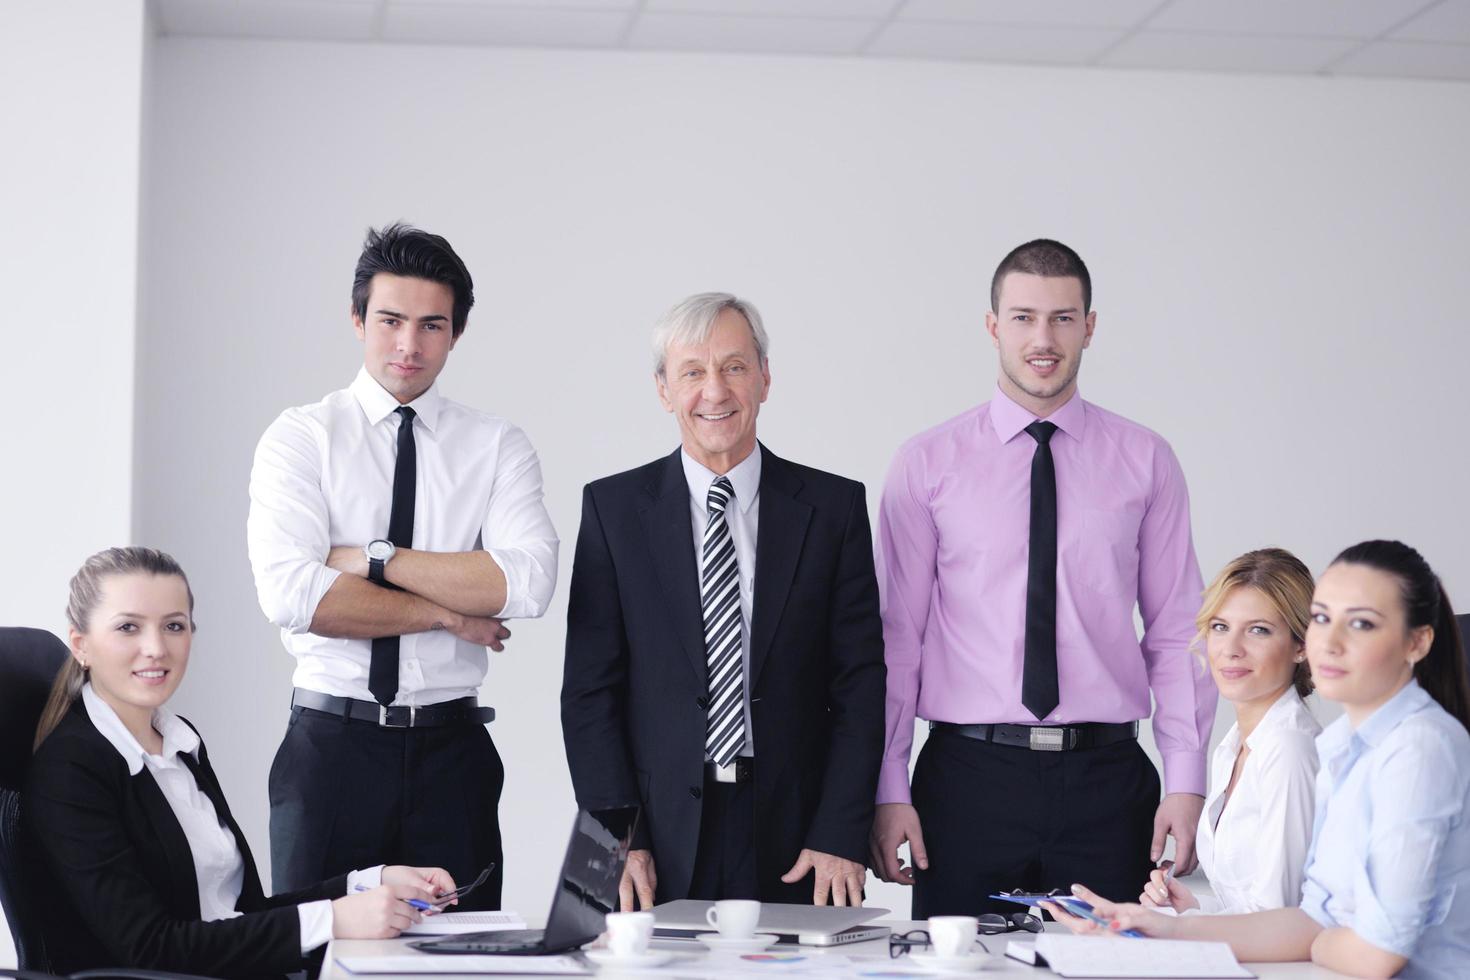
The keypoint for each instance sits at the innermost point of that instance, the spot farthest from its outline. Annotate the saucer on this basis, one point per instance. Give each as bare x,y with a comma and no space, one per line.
934,963
647,958
717,943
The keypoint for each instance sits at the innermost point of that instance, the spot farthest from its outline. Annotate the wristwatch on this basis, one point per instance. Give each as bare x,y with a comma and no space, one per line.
378,553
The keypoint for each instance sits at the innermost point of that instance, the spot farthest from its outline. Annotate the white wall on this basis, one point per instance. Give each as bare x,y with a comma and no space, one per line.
70,117
1279,266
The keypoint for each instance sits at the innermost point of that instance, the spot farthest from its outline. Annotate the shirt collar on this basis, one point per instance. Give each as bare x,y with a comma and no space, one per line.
1010,420
1282,710
745,477
177,735
1341,733
377,404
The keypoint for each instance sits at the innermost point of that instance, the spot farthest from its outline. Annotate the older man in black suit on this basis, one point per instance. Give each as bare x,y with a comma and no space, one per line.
724,662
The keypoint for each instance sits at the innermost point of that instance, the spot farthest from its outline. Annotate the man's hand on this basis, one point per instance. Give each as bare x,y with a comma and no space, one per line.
485,631
435,881
1177,817
894,823
640,880
842,878
351,559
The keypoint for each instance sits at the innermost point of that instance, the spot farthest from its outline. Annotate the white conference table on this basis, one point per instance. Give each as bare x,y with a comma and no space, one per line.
696,964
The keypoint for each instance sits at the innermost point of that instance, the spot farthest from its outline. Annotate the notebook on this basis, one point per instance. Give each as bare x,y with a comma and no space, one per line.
1108,956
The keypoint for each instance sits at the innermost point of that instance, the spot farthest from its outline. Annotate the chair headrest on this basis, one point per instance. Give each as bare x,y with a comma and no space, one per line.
29,662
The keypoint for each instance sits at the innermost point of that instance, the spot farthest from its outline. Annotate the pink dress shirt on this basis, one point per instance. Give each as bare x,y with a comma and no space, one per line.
953,533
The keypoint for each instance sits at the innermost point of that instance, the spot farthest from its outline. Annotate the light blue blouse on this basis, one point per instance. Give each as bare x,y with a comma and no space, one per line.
1391,844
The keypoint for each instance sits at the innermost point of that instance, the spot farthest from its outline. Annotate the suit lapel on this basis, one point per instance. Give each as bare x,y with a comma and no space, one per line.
251,891
778,542
171,836
670,534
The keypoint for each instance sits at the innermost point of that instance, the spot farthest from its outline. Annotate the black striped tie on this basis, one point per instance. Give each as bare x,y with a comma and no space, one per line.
719,576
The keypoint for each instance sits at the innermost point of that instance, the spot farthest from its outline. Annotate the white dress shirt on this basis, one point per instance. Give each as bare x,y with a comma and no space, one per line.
743,520
1392,844
323,476
1255,850
219,869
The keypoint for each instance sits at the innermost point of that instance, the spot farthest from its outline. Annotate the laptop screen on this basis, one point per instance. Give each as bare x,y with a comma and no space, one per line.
590,875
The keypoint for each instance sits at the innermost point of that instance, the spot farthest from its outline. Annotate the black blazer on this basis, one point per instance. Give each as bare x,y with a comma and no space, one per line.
115,875
634,688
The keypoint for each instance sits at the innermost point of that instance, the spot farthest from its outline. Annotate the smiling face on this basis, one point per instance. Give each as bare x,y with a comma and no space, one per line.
1040,330
715,390
136,645
1251,650
1359,643
406,333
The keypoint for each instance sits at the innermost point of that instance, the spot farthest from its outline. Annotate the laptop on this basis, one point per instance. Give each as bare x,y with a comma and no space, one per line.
585,893
809,925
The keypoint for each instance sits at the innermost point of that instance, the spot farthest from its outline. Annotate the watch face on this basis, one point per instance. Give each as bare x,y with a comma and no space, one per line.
380,550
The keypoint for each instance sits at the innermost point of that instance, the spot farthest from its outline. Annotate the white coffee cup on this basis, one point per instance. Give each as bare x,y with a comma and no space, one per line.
953,935
736,918
628,933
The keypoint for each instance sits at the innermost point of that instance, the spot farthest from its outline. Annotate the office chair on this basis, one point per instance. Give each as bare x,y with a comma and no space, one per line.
29,661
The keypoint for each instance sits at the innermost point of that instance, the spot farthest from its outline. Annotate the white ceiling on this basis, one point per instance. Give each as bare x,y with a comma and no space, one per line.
1404,38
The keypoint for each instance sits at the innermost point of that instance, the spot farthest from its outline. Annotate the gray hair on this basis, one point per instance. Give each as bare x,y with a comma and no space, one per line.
692,321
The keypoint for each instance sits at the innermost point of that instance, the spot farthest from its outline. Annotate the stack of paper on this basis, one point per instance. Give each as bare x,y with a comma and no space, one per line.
1111,956
552,965
456,923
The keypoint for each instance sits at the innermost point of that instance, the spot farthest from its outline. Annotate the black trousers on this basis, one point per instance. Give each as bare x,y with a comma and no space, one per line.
996,818
348,794
724,865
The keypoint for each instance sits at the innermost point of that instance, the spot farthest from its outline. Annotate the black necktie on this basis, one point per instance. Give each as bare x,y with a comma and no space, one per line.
383,670
1039,677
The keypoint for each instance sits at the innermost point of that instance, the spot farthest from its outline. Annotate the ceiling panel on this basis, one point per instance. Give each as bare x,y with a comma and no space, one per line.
1056,13
1411,59
986,42
773,35
345,20
857,9
1447,22
443,23
1320,18
1227,52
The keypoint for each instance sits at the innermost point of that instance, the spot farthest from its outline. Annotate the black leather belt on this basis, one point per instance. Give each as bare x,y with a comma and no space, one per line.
461,711
1045,738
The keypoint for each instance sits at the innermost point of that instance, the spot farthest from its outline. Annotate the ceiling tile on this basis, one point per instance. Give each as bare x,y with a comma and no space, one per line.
1029,13
857,9
1226,52
624,5
1316,18
447,23
1062,45
1447,22
1408,59
775,35
336,20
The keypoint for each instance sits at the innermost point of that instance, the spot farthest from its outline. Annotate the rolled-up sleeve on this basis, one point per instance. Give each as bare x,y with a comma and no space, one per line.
1418,791
1169,587
517,531
287,532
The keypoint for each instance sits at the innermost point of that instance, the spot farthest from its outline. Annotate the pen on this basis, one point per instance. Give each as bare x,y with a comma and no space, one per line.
417,903
1078,907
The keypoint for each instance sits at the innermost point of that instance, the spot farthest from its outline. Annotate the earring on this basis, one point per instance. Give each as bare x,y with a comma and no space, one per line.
1301,659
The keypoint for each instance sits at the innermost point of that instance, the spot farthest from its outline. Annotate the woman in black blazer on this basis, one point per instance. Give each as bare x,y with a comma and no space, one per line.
137,858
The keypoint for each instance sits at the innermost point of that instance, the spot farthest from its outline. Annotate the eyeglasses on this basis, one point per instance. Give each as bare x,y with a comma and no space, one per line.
993,923
902,942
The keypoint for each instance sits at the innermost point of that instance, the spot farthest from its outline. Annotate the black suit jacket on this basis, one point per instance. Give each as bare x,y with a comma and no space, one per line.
634,689
115,875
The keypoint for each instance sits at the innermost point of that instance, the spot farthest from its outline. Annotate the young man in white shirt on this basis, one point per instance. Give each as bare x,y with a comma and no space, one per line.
391,531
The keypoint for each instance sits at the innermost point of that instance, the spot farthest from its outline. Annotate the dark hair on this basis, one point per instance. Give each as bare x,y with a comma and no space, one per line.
403,250
86,592
1042,257
1442,671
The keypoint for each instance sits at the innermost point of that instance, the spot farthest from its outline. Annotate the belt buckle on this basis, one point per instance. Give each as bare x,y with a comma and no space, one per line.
1047,739
383,709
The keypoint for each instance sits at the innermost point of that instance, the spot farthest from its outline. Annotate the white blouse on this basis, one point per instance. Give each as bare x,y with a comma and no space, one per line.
219,868
1255,852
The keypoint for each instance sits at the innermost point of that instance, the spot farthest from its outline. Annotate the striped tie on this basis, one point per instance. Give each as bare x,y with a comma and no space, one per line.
719,577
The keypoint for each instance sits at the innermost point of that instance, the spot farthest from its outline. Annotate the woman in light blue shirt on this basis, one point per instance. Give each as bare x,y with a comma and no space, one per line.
1391,848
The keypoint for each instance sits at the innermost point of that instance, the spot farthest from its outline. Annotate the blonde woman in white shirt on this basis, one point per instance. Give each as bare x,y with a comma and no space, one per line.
1256,826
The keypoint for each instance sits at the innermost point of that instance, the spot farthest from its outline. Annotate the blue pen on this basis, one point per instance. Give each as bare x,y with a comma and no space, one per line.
417,903
1080,908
